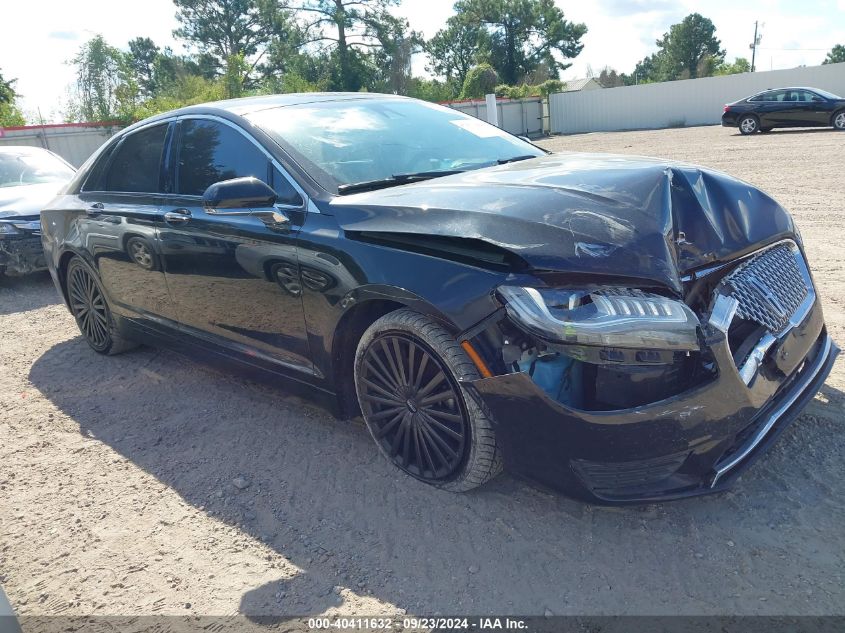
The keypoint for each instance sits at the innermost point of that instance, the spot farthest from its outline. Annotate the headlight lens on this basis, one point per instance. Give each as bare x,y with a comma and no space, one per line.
7,228
608,317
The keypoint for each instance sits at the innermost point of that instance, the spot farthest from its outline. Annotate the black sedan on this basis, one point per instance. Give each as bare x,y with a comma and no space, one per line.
786,107
621,328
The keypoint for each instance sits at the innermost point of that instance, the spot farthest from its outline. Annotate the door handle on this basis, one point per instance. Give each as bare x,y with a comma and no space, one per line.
179,216
95,209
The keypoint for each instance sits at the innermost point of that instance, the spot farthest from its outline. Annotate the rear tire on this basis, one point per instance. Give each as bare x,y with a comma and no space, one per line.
839,120
91,311
748,124
408,370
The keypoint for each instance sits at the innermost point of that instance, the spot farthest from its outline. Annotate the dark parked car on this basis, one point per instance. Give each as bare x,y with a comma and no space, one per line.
786,107
620,328
30,177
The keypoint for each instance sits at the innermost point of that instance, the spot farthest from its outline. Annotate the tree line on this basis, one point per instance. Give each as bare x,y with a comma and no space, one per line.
515,48
243,47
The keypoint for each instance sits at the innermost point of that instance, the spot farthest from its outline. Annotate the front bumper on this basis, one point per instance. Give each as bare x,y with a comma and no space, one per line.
21,254
694,443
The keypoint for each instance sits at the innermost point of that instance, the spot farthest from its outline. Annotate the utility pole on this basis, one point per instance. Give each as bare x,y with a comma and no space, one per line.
753,46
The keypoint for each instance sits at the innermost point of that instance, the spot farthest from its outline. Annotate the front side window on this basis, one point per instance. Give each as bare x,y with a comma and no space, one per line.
285,191
360,140
210,152
136,166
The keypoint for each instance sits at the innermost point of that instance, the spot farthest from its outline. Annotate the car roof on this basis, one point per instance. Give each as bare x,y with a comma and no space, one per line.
248,105
810,88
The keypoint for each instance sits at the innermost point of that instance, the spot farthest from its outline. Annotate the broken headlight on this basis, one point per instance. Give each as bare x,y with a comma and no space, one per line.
7,228
607,317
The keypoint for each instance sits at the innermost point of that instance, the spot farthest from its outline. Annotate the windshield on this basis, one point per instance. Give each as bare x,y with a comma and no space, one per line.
31,167
826,94
375,139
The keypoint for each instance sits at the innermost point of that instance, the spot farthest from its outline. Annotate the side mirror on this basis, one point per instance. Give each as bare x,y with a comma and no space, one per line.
818,100
238,193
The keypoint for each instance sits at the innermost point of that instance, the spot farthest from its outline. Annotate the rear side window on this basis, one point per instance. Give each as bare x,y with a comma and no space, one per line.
210,152
136,166
778,95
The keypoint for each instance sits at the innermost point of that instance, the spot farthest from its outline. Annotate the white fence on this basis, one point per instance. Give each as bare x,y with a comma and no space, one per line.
677,103
523,117
74,142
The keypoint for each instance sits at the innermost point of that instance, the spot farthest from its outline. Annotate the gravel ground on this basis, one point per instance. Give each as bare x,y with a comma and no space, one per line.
149,484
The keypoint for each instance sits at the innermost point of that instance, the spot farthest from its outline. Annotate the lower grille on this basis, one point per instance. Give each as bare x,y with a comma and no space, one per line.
616,477
770,286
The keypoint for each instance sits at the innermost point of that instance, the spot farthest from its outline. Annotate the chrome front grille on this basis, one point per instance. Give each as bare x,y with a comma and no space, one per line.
770,287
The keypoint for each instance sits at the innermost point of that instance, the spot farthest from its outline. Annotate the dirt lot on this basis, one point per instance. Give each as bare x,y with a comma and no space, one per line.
146,483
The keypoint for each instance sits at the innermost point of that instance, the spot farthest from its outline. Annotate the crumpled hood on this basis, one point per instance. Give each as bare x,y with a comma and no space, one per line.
27,200
621,216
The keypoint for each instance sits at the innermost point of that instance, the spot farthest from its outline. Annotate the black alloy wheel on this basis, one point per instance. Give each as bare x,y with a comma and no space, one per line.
413,407
89,308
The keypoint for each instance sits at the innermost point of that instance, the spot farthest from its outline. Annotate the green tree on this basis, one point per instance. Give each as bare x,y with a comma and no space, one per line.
392,58
523,35
10,113
102,89
235,33
348,31
836,55
690,49
431,90
455,49
609,78
687,47
739,65
142,57
481,80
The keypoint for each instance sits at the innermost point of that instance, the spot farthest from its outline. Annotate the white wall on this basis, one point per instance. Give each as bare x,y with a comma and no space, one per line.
74,143
518,116
677,103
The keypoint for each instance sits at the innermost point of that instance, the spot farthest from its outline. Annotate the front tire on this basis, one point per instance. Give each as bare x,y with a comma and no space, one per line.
839,121
407,373
88,306
748,125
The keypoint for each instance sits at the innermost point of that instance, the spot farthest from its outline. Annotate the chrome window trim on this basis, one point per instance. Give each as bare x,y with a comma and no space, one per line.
306,200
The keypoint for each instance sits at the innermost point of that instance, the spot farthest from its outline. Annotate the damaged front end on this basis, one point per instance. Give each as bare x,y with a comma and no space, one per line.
626,395
21,252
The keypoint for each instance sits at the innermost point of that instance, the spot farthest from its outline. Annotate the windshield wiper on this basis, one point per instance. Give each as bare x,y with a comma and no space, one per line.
395,179
516,159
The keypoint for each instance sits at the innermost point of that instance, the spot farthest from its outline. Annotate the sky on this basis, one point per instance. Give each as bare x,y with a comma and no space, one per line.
38,37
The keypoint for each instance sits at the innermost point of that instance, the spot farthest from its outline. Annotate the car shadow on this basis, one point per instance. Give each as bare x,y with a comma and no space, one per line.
317,491
782,131
27,292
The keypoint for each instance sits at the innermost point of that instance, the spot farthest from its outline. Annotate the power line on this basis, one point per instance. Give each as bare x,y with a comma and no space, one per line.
766,48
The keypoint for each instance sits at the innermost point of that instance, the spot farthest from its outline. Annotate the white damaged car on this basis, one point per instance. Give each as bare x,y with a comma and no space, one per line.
30,177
